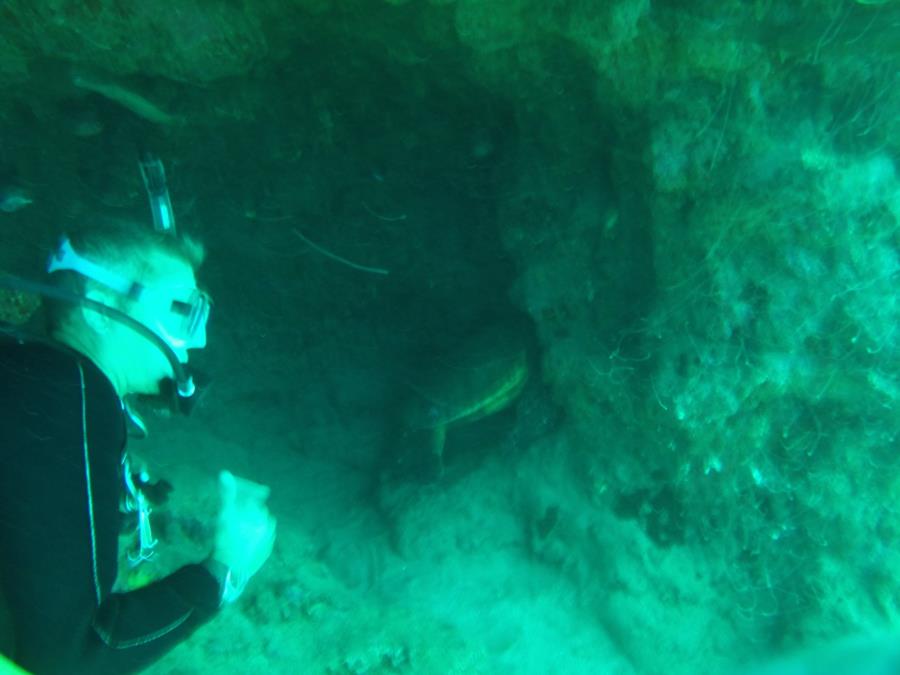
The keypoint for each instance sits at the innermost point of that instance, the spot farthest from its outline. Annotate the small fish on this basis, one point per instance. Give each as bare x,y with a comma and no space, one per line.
13,198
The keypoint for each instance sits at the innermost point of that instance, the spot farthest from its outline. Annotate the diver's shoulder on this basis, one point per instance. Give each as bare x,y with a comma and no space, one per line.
36,362
23,347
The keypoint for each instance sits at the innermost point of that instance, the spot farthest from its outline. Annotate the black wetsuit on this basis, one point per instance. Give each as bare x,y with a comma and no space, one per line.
62,438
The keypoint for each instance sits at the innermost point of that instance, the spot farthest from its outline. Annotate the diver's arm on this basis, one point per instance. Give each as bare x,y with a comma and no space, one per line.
135,628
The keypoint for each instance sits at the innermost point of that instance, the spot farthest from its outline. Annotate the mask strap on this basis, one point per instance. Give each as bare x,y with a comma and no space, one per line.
66,258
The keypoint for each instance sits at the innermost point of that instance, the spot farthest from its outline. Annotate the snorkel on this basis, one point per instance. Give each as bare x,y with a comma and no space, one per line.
154,176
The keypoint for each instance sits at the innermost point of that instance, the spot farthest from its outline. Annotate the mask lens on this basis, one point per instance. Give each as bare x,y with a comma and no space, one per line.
190,317
182,309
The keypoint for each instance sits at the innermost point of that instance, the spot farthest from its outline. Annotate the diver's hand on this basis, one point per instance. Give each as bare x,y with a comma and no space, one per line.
245,532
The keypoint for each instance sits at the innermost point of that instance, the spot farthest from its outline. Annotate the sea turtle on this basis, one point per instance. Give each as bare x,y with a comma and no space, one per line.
483,374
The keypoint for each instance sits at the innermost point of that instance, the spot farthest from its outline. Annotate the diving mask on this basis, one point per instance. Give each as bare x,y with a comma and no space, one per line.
182,326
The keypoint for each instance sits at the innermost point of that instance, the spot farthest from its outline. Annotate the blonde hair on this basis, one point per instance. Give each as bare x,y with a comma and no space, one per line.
127,248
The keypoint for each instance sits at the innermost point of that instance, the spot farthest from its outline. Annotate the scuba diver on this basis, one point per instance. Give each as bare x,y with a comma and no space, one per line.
123,311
